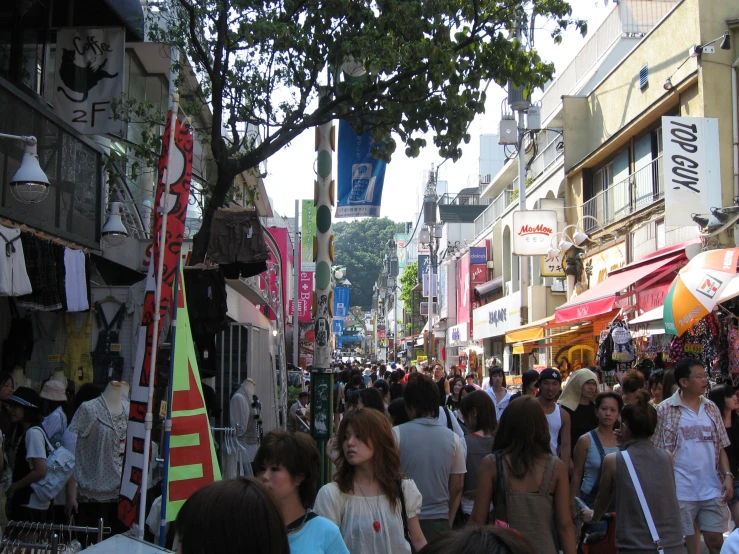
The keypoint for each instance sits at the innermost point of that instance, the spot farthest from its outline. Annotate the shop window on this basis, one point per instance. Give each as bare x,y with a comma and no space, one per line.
580,356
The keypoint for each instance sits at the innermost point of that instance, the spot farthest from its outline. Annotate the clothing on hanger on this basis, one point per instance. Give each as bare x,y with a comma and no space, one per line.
45,267
14,279
237,243
107,360
75,281
77,359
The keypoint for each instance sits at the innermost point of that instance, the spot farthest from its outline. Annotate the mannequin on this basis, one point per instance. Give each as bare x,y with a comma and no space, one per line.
58,375
244,417
125,390
100,425
20,379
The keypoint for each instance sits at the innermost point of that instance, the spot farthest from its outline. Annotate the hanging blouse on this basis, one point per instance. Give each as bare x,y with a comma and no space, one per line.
77,359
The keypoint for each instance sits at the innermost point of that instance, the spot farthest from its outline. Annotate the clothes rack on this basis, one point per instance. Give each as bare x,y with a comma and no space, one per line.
100,529
52,546
42,236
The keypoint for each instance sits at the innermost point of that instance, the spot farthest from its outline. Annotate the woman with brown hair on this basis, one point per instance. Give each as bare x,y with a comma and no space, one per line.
227,517
529,487
365,499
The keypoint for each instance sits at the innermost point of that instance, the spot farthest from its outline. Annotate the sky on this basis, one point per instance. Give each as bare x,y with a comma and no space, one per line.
290,171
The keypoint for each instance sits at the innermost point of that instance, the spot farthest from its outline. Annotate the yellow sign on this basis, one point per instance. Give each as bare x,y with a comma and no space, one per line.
553,268
606,261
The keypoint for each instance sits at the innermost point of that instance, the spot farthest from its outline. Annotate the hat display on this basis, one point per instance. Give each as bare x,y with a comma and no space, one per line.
550,373
25,397
55,391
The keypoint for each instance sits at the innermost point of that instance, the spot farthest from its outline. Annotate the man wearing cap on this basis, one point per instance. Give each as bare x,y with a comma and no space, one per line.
550,386
298,411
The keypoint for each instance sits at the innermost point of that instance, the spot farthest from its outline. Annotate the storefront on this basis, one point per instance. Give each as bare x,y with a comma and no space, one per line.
490,324
457,338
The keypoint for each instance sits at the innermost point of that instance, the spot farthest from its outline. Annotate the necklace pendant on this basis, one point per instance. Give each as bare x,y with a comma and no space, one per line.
377,526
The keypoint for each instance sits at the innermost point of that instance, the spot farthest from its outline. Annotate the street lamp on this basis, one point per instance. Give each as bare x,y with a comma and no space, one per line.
114,232
29,185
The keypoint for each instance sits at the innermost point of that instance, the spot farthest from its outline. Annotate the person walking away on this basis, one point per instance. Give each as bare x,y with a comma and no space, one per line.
591,449
638,423
498,392
478,411
364,499
724,396
529,380
288,466
550,385
578,400
691,428
431,455
526,483
631,382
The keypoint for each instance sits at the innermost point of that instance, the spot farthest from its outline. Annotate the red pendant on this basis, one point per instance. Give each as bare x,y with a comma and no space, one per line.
376,525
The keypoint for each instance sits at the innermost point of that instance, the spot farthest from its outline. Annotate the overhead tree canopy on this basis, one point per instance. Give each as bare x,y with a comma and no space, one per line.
424,66
360,245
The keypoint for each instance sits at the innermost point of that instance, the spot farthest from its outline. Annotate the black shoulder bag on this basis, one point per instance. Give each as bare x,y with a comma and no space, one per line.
404,516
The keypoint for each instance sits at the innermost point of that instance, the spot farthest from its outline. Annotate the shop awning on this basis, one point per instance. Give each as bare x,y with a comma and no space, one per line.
489,288
532,331
601,299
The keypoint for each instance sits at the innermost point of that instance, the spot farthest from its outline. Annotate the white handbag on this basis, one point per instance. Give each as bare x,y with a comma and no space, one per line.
59,468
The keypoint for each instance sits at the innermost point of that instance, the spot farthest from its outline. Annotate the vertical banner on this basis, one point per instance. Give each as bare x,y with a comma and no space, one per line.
305,294
307,232
191,464
464,310
341,302
401,241
692,169
176,207
424,266
89,75
361,176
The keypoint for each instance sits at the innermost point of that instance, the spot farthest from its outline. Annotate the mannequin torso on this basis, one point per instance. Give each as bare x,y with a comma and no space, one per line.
58,375
112,397
19,378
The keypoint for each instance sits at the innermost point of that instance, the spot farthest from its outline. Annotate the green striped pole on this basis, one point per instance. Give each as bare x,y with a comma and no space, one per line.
323,255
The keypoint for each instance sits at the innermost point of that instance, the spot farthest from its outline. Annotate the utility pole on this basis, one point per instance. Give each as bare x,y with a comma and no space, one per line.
321,417
428,236
296,281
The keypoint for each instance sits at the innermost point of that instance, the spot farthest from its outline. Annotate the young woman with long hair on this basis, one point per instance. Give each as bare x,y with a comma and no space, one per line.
532,490
478,411
288,466
456,386
364,499
591,448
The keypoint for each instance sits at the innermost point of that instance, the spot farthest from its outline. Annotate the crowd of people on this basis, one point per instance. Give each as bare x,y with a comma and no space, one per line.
425,461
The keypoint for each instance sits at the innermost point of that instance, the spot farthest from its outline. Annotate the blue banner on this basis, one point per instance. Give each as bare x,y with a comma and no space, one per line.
341,301
424,266
338,326
360,176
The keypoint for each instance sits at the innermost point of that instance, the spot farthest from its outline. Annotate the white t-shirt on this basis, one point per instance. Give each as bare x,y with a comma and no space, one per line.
355,516
35,448
695,465
503,404
731,545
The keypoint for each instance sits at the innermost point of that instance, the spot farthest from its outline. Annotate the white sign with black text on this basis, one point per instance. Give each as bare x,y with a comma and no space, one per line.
692,173
89,75
532,232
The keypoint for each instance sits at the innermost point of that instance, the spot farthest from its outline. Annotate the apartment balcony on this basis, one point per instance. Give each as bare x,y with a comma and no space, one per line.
463,207
494,211
639,190
73,164
620,32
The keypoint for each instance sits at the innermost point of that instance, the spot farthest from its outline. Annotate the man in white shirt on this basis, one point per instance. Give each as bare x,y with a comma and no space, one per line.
498,392
691,428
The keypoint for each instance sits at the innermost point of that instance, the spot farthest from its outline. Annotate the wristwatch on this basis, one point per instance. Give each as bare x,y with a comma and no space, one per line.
729,474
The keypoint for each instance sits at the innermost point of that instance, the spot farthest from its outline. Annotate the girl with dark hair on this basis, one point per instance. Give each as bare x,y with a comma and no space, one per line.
592,448
366,398
384,389
724,396
478,412
654,385
638,422
526,464
396,410
456,386
288,466
30,457
364,499
224,516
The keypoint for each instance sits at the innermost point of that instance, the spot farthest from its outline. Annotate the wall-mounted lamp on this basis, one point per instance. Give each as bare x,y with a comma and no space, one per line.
29,185
114,232
668,84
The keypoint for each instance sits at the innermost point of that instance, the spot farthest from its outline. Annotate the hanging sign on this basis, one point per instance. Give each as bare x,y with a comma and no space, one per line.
532,232
341,302
307,232
361,176
89,76
401,241
553,268
692,168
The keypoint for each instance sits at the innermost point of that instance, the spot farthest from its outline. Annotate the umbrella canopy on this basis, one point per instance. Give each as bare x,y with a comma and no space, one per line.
698,288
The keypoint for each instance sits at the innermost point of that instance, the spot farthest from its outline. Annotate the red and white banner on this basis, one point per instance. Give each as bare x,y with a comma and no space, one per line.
305,297
176,208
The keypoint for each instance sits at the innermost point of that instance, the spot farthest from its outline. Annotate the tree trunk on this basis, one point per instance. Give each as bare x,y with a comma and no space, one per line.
217,199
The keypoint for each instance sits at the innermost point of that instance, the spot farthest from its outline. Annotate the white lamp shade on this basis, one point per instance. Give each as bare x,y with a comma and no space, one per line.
114,227
339,274
552,254
29,184
564,245
579,238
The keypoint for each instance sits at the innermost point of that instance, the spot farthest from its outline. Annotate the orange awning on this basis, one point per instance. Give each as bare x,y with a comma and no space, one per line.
531,331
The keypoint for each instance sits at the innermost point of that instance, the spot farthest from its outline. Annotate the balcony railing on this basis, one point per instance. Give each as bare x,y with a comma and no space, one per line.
73,164
545,158
638,191
462,199
493,212
628,19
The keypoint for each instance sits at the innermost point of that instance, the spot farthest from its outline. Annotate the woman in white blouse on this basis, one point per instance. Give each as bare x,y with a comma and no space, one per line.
365,498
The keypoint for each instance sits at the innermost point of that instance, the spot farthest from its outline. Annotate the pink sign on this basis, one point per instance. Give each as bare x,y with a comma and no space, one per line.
652,297
463,290
305,294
